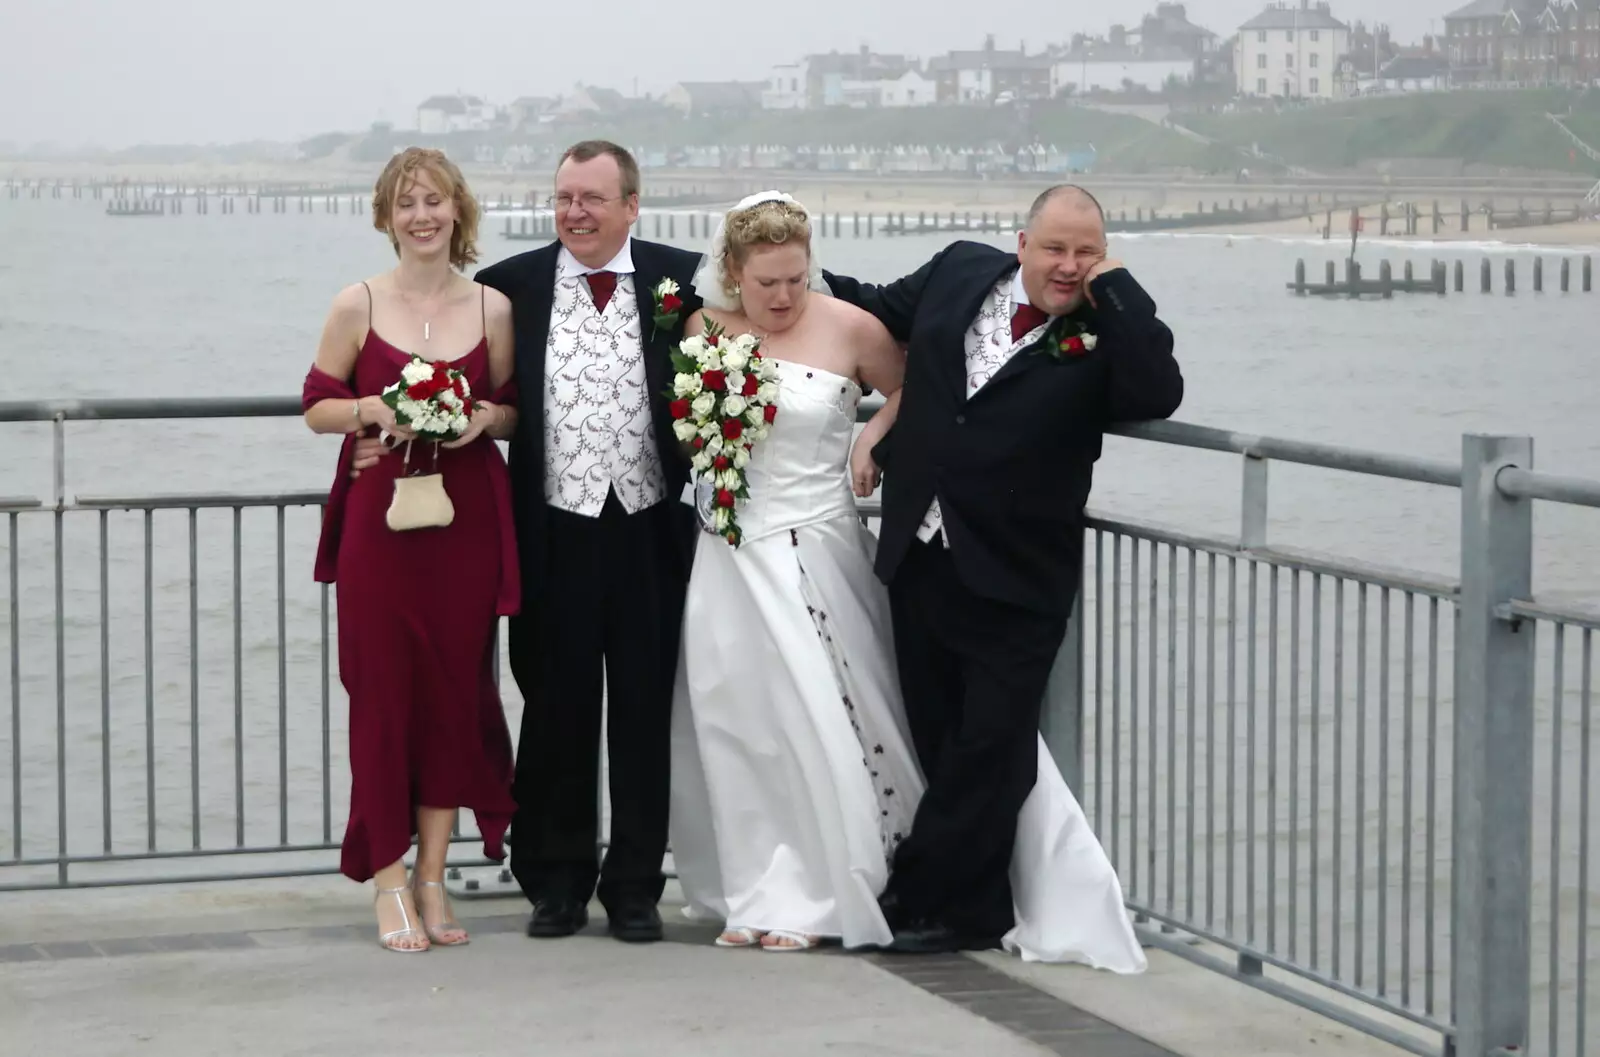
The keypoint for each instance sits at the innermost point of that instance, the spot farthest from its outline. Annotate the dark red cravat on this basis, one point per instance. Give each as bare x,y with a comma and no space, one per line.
1027,317
601,286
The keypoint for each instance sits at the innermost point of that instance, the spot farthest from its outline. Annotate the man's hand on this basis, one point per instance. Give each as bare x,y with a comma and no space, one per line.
1099,268
368,451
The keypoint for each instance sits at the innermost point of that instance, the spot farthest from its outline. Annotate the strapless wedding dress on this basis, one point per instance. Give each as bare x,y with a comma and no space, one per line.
793,775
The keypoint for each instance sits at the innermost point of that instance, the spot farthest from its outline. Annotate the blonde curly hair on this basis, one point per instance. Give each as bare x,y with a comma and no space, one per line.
401,173
763,224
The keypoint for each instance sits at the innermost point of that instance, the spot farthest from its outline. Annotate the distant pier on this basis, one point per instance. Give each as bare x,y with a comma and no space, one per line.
1441,277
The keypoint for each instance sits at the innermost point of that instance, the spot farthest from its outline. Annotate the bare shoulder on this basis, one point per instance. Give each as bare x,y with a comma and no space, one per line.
856,323
732,322
497,305
351,308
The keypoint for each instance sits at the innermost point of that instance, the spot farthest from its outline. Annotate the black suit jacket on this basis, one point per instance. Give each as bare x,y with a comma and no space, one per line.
1012,464
529,280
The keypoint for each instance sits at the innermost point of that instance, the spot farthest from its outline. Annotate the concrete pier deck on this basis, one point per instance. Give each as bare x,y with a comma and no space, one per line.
290,967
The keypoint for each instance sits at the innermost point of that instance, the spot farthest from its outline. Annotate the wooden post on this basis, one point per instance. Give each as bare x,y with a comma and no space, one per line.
1300,277
1566,274
1587,269
1538,275
1407,273
1511,276
1461,276
1327,273
1383,219
1385,279
1485,275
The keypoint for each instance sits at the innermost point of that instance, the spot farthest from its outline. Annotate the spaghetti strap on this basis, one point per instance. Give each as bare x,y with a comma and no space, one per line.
483,307
368,289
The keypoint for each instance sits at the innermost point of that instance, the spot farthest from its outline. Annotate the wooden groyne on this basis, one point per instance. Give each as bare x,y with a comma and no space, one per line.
1441,277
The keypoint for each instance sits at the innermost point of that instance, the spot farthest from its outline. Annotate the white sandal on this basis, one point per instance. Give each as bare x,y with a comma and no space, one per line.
388,940
747,937
798,941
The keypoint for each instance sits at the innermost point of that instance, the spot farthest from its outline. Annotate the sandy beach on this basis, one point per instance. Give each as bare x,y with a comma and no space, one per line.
848,195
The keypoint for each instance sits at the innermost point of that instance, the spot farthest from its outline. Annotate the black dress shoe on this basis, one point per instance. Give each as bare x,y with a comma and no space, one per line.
934,937
635,923
557,917
894,913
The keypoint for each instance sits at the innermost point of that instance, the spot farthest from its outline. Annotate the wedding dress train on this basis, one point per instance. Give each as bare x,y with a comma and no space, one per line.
793,776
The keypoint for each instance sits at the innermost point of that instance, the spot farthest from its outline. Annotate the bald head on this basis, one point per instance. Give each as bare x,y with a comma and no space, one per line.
1065,236
1065,196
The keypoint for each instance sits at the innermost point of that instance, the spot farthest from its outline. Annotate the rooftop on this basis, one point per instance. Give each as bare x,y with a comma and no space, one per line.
1303,16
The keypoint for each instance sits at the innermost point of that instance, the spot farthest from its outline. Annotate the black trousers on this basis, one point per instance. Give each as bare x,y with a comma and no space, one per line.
611,602
973,671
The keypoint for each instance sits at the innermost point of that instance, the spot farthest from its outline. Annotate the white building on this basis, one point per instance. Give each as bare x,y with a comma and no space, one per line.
909,89
454,113
1290,52
787,87
1105,68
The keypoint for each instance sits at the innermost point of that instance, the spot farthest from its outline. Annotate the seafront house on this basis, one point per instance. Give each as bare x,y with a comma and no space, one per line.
1524,42
1290,52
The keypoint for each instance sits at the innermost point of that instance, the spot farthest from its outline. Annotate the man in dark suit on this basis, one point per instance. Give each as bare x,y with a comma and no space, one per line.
605,547
1016,365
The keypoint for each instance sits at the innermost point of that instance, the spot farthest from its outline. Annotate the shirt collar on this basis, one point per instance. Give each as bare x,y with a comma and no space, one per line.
1019,296
622,263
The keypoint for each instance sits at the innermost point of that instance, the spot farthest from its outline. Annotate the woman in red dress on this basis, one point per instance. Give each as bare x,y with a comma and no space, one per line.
418,608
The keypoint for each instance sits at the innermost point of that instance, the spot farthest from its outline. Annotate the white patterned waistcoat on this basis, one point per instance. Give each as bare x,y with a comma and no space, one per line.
989,347
599,434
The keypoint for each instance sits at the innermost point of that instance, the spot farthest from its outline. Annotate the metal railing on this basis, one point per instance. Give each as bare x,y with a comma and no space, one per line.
1363,789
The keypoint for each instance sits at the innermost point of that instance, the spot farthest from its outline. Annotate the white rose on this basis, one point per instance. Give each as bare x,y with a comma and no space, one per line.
416,371
701,462
667,286
709,358
710,431
703,405
734,359
741,458
767,393
733,406
714,445
1088,342
755,417
735,381
686,385
684,430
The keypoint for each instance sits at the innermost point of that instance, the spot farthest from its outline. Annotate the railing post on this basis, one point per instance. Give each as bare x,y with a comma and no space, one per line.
1253,503
1493,755
1061,718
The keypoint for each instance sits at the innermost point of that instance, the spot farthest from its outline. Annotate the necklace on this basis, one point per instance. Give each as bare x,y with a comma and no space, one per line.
427,324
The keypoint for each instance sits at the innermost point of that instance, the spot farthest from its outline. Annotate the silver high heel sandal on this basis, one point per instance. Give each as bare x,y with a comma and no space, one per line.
449,921
387,939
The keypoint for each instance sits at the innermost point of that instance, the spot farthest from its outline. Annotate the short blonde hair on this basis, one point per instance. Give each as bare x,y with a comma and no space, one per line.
763,224
401,172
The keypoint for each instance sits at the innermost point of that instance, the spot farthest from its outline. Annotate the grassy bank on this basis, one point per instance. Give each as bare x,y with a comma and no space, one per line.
1502,129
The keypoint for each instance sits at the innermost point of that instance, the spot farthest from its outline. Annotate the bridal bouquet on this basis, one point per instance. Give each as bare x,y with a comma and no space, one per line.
724,399
431,399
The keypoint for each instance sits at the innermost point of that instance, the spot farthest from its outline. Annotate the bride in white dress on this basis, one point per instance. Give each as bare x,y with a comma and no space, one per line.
793,776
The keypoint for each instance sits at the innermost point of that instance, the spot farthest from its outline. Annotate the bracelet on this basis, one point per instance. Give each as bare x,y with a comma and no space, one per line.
355,413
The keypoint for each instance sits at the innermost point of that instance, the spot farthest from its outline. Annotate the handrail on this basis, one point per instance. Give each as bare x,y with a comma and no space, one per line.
1513,482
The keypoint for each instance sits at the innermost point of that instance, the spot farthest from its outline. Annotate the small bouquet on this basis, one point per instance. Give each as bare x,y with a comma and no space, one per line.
724,399
431,399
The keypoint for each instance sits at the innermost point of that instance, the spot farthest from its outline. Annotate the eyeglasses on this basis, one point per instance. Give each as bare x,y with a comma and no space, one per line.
590,201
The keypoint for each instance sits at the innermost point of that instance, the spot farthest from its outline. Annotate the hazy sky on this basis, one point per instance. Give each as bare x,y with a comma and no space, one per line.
117,72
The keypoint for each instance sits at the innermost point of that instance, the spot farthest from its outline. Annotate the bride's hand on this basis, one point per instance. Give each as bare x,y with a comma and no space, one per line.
864,472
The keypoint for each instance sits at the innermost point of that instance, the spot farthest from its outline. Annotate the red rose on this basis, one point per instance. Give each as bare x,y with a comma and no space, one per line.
680,408
724,498
716,381
720,462
699,442
712,340
425,389
750,386
671,303
1073,345
733,429
769,412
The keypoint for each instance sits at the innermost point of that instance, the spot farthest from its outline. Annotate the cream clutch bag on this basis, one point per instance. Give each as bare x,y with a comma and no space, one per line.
420,500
